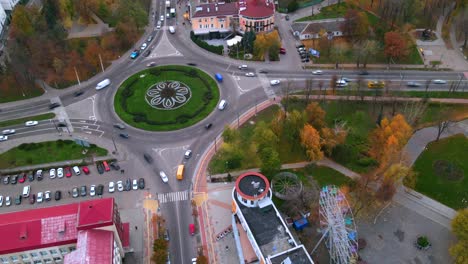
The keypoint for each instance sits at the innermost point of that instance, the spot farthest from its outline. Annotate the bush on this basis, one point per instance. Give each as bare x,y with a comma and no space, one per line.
202,44
367,162
293,6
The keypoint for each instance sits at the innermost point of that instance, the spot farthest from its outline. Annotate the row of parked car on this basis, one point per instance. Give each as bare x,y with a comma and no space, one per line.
303,53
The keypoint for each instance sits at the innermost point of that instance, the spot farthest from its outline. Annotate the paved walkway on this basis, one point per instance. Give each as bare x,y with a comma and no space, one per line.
385,98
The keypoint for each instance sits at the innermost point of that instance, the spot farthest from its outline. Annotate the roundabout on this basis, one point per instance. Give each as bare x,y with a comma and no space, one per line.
166,98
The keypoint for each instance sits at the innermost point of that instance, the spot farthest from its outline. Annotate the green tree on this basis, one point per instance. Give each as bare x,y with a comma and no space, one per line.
293,6
459,250
159,251
270,160
230,135
294,123
263,136
50,10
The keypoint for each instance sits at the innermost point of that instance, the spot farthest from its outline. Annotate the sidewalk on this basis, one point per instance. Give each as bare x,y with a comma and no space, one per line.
385,98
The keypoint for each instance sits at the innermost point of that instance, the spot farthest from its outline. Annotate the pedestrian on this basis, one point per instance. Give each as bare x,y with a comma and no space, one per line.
136,227
121,171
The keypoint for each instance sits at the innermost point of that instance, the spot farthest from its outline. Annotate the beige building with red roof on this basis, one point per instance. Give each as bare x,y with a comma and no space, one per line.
220,17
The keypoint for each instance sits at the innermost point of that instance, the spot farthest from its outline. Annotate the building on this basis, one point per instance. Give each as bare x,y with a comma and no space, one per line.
245,15
311,30
256,219
3,20
85,232
9,5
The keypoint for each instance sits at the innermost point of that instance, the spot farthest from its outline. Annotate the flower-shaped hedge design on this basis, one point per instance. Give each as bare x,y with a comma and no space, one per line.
168,95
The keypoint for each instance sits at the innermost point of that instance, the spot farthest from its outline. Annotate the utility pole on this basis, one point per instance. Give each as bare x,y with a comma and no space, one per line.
100,59
238,120
216,149
115,146
77,78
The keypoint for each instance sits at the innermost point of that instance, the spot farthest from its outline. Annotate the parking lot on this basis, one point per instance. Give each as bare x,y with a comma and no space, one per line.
65,185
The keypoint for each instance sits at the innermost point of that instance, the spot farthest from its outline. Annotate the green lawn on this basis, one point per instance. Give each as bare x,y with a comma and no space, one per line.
332,11
23,120
324,175
45,152
17,96
450,193
138,113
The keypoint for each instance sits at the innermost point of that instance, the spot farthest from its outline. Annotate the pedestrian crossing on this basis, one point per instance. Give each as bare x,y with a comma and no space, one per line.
173,197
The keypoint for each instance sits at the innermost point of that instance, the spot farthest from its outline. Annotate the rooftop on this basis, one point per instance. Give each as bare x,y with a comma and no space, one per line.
252,185
93,246
215,9
328,26
297,255
256,8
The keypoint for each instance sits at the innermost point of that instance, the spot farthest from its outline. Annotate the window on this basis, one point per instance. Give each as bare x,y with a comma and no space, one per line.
222,25
24,256
38,262
57,259
4,260
34,255
47,261
53,251
44,253
201,26
211,19
199,20
63,251
72,248
212,26
14,258
251,202
206,20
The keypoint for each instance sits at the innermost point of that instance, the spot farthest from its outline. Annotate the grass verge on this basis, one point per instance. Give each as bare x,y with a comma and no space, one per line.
23,120
45,152
453,193
12,96
332,11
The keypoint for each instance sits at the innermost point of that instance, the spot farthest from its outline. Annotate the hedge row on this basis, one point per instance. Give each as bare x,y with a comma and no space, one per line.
202,44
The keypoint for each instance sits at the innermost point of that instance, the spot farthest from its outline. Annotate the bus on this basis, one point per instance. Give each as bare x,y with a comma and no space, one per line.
180,172
376,84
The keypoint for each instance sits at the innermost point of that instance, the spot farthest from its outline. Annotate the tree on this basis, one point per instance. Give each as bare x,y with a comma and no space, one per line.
230,135
248,41
330,138
310,140
460,229
263,136
50,9
159,251
461,22
356,25
91,54
370,49
315,115
293,6
271,162
337,52
395,46
277,123
202,260
308,86
293,124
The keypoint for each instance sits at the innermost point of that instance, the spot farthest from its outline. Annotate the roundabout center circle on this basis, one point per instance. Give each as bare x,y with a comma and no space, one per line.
168,95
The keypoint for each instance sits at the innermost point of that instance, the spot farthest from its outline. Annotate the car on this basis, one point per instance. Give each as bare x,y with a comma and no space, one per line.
128,185
22,178
68,172
52,173
53,105
1,200
151,64
106,166
115,165
111,187
150,38
39,175
188,154
119,126
32,198
263,71
345,79
208,126
168,15
135,184
242,67
120,186
305,60
147,53
40,197
222,105
83,190
75,193
363,73
341,83
250,74
163,176
286,17
8,201
134,54
413,84
143,46
158,25
438,81
85,170
100,167
141,183
8,131
60,172
192,229
6,180
3,138
317,72
124,135
58,195
300,46
148,158
191,64
18,199
47,196
78,93
14,179
31,123
376,84
31,176
282,51
166,235
76,170
161,18
92,190
274,82
100,189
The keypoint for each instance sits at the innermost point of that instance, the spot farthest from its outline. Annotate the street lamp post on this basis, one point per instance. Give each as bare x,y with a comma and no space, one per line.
237,119
115,146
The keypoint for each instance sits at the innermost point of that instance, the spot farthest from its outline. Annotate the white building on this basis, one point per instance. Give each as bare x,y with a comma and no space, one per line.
3,19
9,5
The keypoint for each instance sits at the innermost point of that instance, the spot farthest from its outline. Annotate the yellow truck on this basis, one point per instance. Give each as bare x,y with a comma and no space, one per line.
180,172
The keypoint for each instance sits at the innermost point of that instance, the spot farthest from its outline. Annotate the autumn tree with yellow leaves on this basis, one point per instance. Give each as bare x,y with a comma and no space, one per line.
267,43
459,250
310,140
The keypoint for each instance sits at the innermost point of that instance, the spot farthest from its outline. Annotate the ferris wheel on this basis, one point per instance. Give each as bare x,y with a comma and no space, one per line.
337,226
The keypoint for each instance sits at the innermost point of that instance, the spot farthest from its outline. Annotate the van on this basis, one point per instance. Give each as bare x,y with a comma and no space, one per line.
103,84
219,77
172,29
222,105
26,190
76,170
180,172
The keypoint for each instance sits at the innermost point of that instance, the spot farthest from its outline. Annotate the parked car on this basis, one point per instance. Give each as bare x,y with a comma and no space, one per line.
6,180
128,185
8,131
106,166
52,173
32,198
39,175
47,196
148,158
111,187
100,167
68,172
192,229
3,138
40,197
135,184
18,199
134,54
1,200
163,176
83,190
274,82
166,235
143,46
85,170
92,190
58,195
8,201
60,172
115,165
31,123
161,18
120,186
31,176
141,183
188,154
119,126
14,179
75,192
22,178
100,189
150,38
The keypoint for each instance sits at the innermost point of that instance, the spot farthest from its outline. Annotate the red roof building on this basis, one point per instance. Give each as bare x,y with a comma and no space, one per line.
59,234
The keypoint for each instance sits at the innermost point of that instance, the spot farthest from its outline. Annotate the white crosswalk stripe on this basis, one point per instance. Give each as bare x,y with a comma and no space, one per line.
172,197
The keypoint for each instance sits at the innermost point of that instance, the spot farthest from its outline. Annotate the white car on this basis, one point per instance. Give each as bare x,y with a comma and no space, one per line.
52,173
163,176
1,200
250,74
161,18
39,197
151,64
60,172
341,83
158,26
434,81
8,131
135,185
275,82
143,46
31,123
47,196
188,154
92,190
111,187
120,186
317,72
3,138
242,67
8,201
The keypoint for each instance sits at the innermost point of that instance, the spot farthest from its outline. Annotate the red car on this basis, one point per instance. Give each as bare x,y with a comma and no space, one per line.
106,166
85,170
68,172
22,178
282,51
192,229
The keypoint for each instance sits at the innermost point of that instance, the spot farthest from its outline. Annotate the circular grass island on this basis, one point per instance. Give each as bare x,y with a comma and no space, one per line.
166,98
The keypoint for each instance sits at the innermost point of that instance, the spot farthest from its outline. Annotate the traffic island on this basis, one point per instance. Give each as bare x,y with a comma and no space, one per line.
166,98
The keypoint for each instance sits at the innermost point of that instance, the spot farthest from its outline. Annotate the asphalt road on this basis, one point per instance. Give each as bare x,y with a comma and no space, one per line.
167,148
